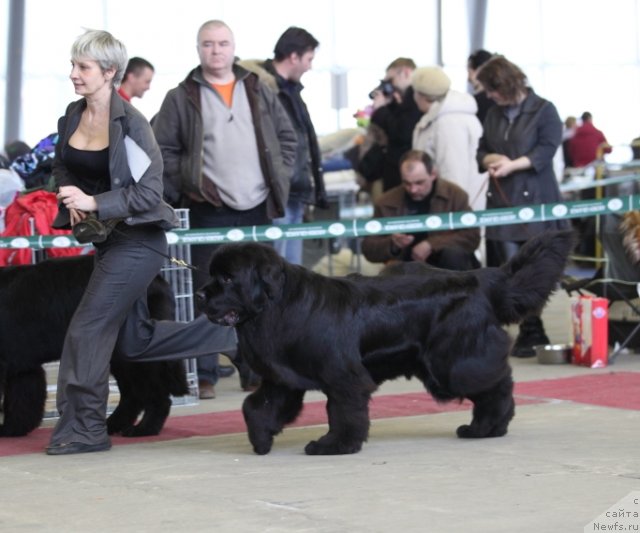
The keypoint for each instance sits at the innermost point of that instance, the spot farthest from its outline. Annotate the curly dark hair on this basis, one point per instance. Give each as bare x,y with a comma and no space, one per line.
502,76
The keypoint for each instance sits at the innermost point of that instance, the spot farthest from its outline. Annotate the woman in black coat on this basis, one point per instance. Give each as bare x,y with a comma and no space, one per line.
521,135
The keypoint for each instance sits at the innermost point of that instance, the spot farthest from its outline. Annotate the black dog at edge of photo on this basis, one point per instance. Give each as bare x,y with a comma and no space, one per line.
36,305
301,331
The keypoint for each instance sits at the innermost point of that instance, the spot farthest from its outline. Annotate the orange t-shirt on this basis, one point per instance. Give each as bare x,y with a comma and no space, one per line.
225,91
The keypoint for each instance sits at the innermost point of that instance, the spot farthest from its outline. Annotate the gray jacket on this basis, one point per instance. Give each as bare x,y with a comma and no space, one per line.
178,128
536,133
137,202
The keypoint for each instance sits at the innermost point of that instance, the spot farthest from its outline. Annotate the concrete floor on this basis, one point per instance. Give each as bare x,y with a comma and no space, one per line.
561,465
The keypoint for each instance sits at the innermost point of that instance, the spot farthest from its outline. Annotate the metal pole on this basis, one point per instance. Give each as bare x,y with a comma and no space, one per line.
600,174
15,49
439,54
477,10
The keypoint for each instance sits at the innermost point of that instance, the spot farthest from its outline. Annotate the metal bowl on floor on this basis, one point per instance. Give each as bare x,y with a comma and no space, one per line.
554,354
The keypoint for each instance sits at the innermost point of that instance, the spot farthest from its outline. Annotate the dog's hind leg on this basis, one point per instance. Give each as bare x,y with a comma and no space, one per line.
144,389
24,398
267,410
129,406
153,419
123,417
492,411
348,423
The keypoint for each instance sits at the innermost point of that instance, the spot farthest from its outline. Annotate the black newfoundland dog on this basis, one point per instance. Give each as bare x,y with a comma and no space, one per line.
300,331
36,305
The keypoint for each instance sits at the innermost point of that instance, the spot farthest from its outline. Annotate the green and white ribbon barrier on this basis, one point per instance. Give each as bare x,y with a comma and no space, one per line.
364,227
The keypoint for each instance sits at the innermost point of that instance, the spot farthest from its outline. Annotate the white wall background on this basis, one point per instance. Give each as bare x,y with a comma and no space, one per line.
581,54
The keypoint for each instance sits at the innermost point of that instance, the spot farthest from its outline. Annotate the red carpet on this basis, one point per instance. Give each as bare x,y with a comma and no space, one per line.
618,390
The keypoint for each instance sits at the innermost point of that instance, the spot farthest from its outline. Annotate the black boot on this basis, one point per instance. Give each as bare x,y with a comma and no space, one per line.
531,334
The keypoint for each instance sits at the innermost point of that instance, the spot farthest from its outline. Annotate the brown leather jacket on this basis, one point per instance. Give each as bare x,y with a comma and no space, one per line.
447,197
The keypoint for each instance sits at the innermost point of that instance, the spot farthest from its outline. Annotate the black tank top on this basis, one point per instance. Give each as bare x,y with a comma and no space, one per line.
90,168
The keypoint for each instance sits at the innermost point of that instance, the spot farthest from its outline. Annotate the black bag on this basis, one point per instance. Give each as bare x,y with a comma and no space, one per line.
93,230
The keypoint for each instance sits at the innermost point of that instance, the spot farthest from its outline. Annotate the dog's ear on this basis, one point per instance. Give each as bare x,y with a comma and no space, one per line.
271,277
267,278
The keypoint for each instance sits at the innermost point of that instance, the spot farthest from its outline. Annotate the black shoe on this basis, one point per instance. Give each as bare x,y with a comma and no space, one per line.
77,447
224,371
531,334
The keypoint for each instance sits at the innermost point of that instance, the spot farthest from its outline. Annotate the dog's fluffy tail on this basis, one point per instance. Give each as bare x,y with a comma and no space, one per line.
531,275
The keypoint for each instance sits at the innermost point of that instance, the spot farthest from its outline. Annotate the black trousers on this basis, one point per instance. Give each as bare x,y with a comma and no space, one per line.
205,215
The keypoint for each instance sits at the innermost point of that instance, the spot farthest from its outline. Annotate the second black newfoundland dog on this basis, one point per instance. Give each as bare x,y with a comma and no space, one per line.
36,305
301,331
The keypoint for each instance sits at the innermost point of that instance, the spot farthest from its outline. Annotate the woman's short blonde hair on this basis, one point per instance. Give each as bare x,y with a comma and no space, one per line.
104,48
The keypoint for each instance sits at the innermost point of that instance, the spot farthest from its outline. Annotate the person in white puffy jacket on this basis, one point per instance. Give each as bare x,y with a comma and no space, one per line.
449,131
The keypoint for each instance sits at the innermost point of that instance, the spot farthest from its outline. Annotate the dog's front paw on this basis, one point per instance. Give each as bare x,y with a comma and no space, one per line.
471,432
261,443
262,448
331,447
466,432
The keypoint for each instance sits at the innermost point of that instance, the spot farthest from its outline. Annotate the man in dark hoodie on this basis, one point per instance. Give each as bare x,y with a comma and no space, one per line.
397,120
293,55
228,149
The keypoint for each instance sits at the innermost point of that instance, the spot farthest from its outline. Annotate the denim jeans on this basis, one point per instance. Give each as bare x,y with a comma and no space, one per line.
291,249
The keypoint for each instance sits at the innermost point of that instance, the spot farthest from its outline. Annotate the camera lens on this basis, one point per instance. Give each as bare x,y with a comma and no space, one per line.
387,88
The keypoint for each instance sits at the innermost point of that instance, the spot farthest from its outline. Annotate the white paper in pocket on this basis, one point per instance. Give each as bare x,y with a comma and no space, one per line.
137,158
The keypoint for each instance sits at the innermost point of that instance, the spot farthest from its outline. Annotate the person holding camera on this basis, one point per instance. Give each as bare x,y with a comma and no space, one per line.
108,167
396,120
